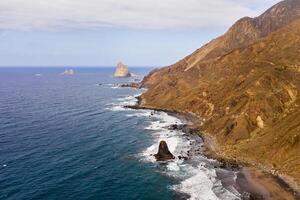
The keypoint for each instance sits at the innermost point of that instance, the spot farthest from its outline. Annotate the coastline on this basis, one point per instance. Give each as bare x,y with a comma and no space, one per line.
259,184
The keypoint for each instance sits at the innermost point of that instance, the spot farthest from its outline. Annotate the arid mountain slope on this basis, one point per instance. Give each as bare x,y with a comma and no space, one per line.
248,30
244,32
247,97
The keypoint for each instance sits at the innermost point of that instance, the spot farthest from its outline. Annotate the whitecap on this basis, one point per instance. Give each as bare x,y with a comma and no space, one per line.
163,120
198,186
120,103
140,113
126,98
127,101
172,166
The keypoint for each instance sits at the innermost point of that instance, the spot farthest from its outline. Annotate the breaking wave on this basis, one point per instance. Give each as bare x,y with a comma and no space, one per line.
196,177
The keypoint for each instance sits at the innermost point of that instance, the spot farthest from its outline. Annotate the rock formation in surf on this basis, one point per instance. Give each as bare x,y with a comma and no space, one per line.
122,71
163,153
244,86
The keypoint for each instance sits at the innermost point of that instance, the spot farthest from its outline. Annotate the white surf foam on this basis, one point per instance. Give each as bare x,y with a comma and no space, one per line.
140,113
178,145
204,185
197,180
116,108
119,104
127,101
175,140
198,186
113,86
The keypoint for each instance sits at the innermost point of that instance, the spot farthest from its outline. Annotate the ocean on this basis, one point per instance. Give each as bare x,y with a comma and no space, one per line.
69,137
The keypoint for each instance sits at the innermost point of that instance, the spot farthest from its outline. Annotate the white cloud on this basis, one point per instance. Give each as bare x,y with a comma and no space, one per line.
149,14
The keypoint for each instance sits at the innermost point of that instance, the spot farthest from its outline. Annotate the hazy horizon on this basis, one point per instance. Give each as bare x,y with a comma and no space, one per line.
74,67
101,33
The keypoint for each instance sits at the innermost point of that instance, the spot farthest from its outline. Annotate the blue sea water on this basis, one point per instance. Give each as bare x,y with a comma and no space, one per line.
68,137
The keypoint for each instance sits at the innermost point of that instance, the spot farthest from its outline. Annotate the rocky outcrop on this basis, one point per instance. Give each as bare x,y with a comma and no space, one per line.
244,86
163,153
260,122
68,72
121,71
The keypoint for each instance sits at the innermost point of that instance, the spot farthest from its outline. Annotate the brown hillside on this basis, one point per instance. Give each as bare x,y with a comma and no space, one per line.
244,32
246,94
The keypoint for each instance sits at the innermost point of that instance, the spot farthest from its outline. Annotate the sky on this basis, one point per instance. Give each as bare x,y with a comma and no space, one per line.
103,32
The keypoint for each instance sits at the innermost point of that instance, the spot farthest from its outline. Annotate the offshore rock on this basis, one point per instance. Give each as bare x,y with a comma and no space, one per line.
122,71
68,72
163,153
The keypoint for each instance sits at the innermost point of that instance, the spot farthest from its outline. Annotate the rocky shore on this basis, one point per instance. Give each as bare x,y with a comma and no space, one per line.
257,182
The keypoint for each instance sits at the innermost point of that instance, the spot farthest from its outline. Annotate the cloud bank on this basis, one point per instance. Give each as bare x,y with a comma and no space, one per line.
142,14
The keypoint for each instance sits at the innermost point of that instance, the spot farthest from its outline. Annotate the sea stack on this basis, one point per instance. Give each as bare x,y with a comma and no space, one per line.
122,71
163,153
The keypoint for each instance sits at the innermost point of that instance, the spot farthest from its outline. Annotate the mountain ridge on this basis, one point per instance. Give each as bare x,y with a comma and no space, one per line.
253,30
246,95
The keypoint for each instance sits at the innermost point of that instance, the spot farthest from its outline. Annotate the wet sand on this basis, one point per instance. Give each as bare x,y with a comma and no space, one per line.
264,186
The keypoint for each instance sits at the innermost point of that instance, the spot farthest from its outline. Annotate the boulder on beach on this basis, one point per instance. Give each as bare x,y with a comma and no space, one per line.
163,153
122,71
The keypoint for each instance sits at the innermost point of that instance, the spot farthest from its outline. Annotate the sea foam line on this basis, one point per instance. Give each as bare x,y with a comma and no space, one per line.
197,180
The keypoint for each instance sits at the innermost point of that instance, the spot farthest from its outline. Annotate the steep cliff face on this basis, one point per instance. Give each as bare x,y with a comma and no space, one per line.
245,88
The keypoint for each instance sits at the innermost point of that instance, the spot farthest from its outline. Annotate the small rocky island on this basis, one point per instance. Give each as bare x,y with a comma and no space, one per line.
68,72
122,71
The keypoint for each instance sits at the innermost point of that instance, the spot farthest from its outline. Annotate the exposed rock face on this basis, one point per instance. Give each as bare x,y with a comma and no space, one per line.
246,86
247,31
163,153
260,122
122,71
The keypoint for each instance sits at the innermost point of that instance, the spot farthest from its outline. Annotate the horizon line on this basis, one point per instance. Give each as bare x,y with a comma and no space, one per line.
78,66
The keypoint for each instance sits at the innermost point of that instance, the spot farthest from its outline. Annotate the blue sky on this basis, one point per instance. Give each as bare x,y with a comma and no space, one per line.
103,32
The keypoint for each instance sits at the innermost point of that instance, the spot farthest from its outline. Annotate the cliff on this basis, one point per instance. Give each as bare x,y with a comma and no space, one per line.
244,88
122,71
